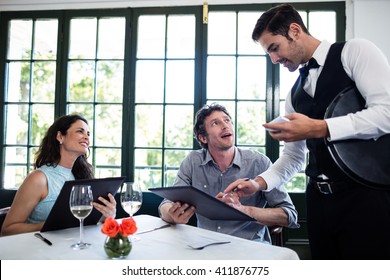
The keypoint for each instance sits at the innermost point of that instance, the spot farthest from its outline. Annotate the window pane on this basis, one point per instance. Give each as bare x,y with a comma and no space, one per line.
150,81
151,37
81,81
107,172
18,82
42,117
111,38
181,36
180,81
106,156
44,81
14,176
17,124
147,157
45,39
221,77
323,25
148,130
20,39
82,38
251,78
250,117
173,159
109,81
147,170
246,23
17,154
108,125
221,33
178,129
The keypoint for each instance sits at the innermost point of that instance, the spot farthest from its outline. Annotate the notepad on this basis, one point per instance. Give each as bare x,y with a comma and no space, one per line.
205,204
60,216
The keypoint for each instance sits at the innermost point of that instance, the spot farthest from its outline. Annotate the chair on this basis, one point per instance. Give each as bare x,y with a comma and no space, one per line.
3,214
6,198
276,235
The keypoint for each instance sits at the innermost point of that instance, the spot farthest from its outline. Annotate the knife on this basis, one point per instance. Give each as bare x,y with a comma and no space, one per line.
47,241
153,229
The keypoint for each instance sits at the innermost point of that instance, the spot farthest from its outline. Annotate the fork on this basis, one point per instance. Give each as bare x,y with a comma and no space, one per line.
206,245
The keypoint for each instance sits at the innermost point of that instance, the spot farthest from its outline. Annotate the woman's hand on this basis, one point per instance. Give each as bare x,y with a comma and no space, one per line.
108,208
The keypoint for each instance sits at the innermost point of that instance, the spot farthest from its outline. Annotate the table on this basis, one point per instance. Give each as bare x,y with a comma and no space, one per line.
169,243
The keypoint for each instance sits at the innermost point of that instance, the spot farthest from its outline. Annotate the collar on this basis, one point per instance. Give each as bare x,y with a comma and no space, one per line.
321,52
236,160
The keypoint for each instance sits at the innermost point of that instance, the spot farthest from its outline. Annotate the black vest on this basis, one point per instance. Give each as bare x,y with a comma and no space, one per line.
331,81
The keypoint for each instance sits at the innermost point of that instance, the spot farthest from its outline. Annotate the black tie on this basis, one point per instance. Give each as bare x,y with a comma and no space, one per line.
304,72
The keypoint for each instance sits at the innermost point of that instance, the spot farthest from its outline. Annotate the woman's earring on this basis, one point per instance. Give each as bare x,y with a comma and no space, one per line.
60,142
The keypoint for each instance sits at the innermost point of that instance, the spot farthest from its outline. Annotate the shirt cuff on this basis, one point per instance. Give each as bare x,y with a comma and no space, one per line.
340,128
268,178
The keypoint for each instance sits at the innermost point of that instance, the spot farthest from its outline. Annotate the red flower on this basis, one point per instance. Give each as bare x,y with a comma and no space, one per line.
112,228
127,227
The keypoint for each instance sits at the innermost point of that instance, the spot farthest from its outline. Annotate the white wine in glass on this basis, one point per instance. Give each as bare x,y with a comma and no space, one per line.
131,199
80,203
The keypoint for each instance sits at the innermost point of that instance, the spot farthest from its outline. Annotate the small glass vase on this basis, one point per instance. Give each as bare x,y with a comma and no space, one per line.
118,247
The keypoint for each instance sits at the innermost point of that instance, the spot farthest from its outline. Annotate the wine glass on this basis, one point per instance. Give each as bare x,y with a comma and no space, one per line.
80,204
131,198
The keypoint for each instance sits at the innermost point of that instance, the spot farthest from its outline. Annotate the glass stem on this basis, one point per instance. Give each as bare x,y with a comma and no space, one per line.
81,230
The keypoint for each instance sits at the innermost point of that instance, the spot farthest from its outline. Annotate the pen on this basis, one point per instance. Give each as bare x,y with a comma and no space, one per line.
234,190
38,235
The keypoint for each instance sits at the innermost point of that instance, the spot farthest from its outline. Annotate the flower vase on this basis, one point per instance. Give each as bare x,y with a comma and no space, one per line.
118,247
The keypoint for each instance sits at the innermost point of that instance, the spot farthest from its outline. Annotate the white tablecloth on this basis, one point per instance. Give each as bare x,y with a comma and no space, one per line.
165,244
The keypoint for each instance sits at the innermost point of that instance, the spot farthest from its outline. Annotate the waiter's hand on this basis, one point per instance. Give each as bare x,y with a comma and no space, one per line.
299,127
245,187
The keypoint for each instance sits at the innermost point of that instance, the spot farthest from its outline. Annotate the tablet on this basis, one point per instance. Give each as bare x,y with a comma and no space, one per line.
205,204
60,216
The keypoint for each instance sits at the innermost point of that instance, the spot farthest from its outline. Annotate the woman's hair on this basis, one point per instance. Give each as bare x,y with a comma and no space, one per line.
277,21
201,115
49,150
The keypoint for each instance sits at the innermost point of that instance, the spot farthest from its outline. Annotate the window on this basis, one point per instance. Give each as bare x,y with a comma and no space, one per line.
139,76
236,74
29,98
164,96
95,74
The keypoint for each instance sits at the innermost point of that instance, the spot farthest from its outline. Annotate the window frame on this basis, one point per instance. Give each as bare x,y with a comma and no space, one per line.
131,15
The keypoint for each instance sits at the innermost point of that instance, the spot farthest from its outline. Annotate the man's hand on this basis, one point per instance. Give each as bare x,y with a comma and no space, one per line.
299,127
177,213
230,198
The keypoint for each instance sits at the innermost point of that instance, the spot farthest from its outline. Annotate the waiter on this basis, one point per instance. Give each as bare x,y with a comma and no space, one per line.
346,220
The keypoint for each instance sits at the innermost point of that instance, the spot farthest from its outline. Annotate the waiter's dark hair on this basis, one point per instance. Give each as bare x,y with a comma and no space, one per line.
277,21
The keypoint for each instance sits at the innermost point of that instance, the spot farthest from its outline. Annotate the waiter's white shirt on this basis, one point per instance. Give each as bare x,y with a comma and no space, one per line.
368,67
